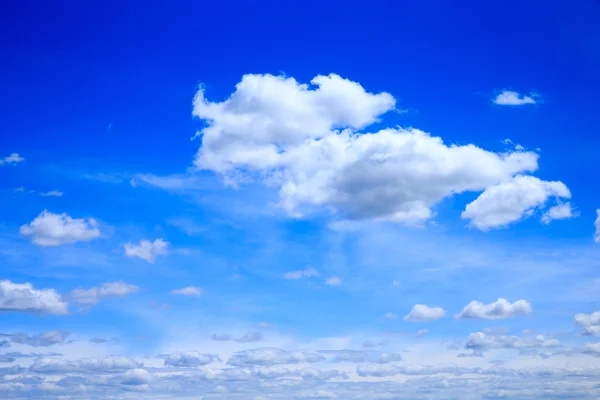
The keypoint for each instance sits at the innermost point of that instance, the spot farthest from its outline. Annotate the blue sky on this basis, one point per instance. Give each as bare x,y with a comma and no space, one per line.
331,181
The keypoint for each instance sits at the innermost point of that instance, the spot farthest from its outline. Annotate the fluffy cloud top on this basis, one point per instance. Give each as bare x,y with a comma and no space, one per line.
11,159
49,229
422,313
510,98
147,250
509,201
499,309
24,298
188,291
93,295
305,140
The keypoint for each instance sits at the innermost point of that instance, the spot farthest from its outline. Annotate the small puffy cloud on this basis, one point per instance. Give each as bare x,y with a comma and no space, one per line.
52,193
510,98
147,250
560,211
93,295
303,273
500,309
190,359
13,158
422,332
22,297
589,323
137,376
49,229
510,201
333,281
44,339
390,316
597,226
423,313
272,356
187,291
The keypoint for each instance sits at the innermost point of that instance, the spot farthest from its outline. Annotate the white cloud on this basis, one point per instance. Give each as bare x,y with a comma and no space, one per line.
333,281
316,394
52,193
187,291
510,98
499,309
112,363
44,339
422,313
597,226
480,342
24,298
137,376
190,359
49,229
561,211
14,158
272,356
303,273
286,133
423,332
147,250
589,323
390,316
509,201
91,296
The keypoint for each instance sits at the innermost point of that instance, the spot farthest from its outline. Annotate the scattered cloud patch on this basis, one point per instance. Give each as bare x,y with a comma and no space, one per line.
93,295
147,250
13,158
49,229
303,273
22,297
190,359
333,281
511,98
424,313
44,339
390,316
500,309
272,356
52,193
187,291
